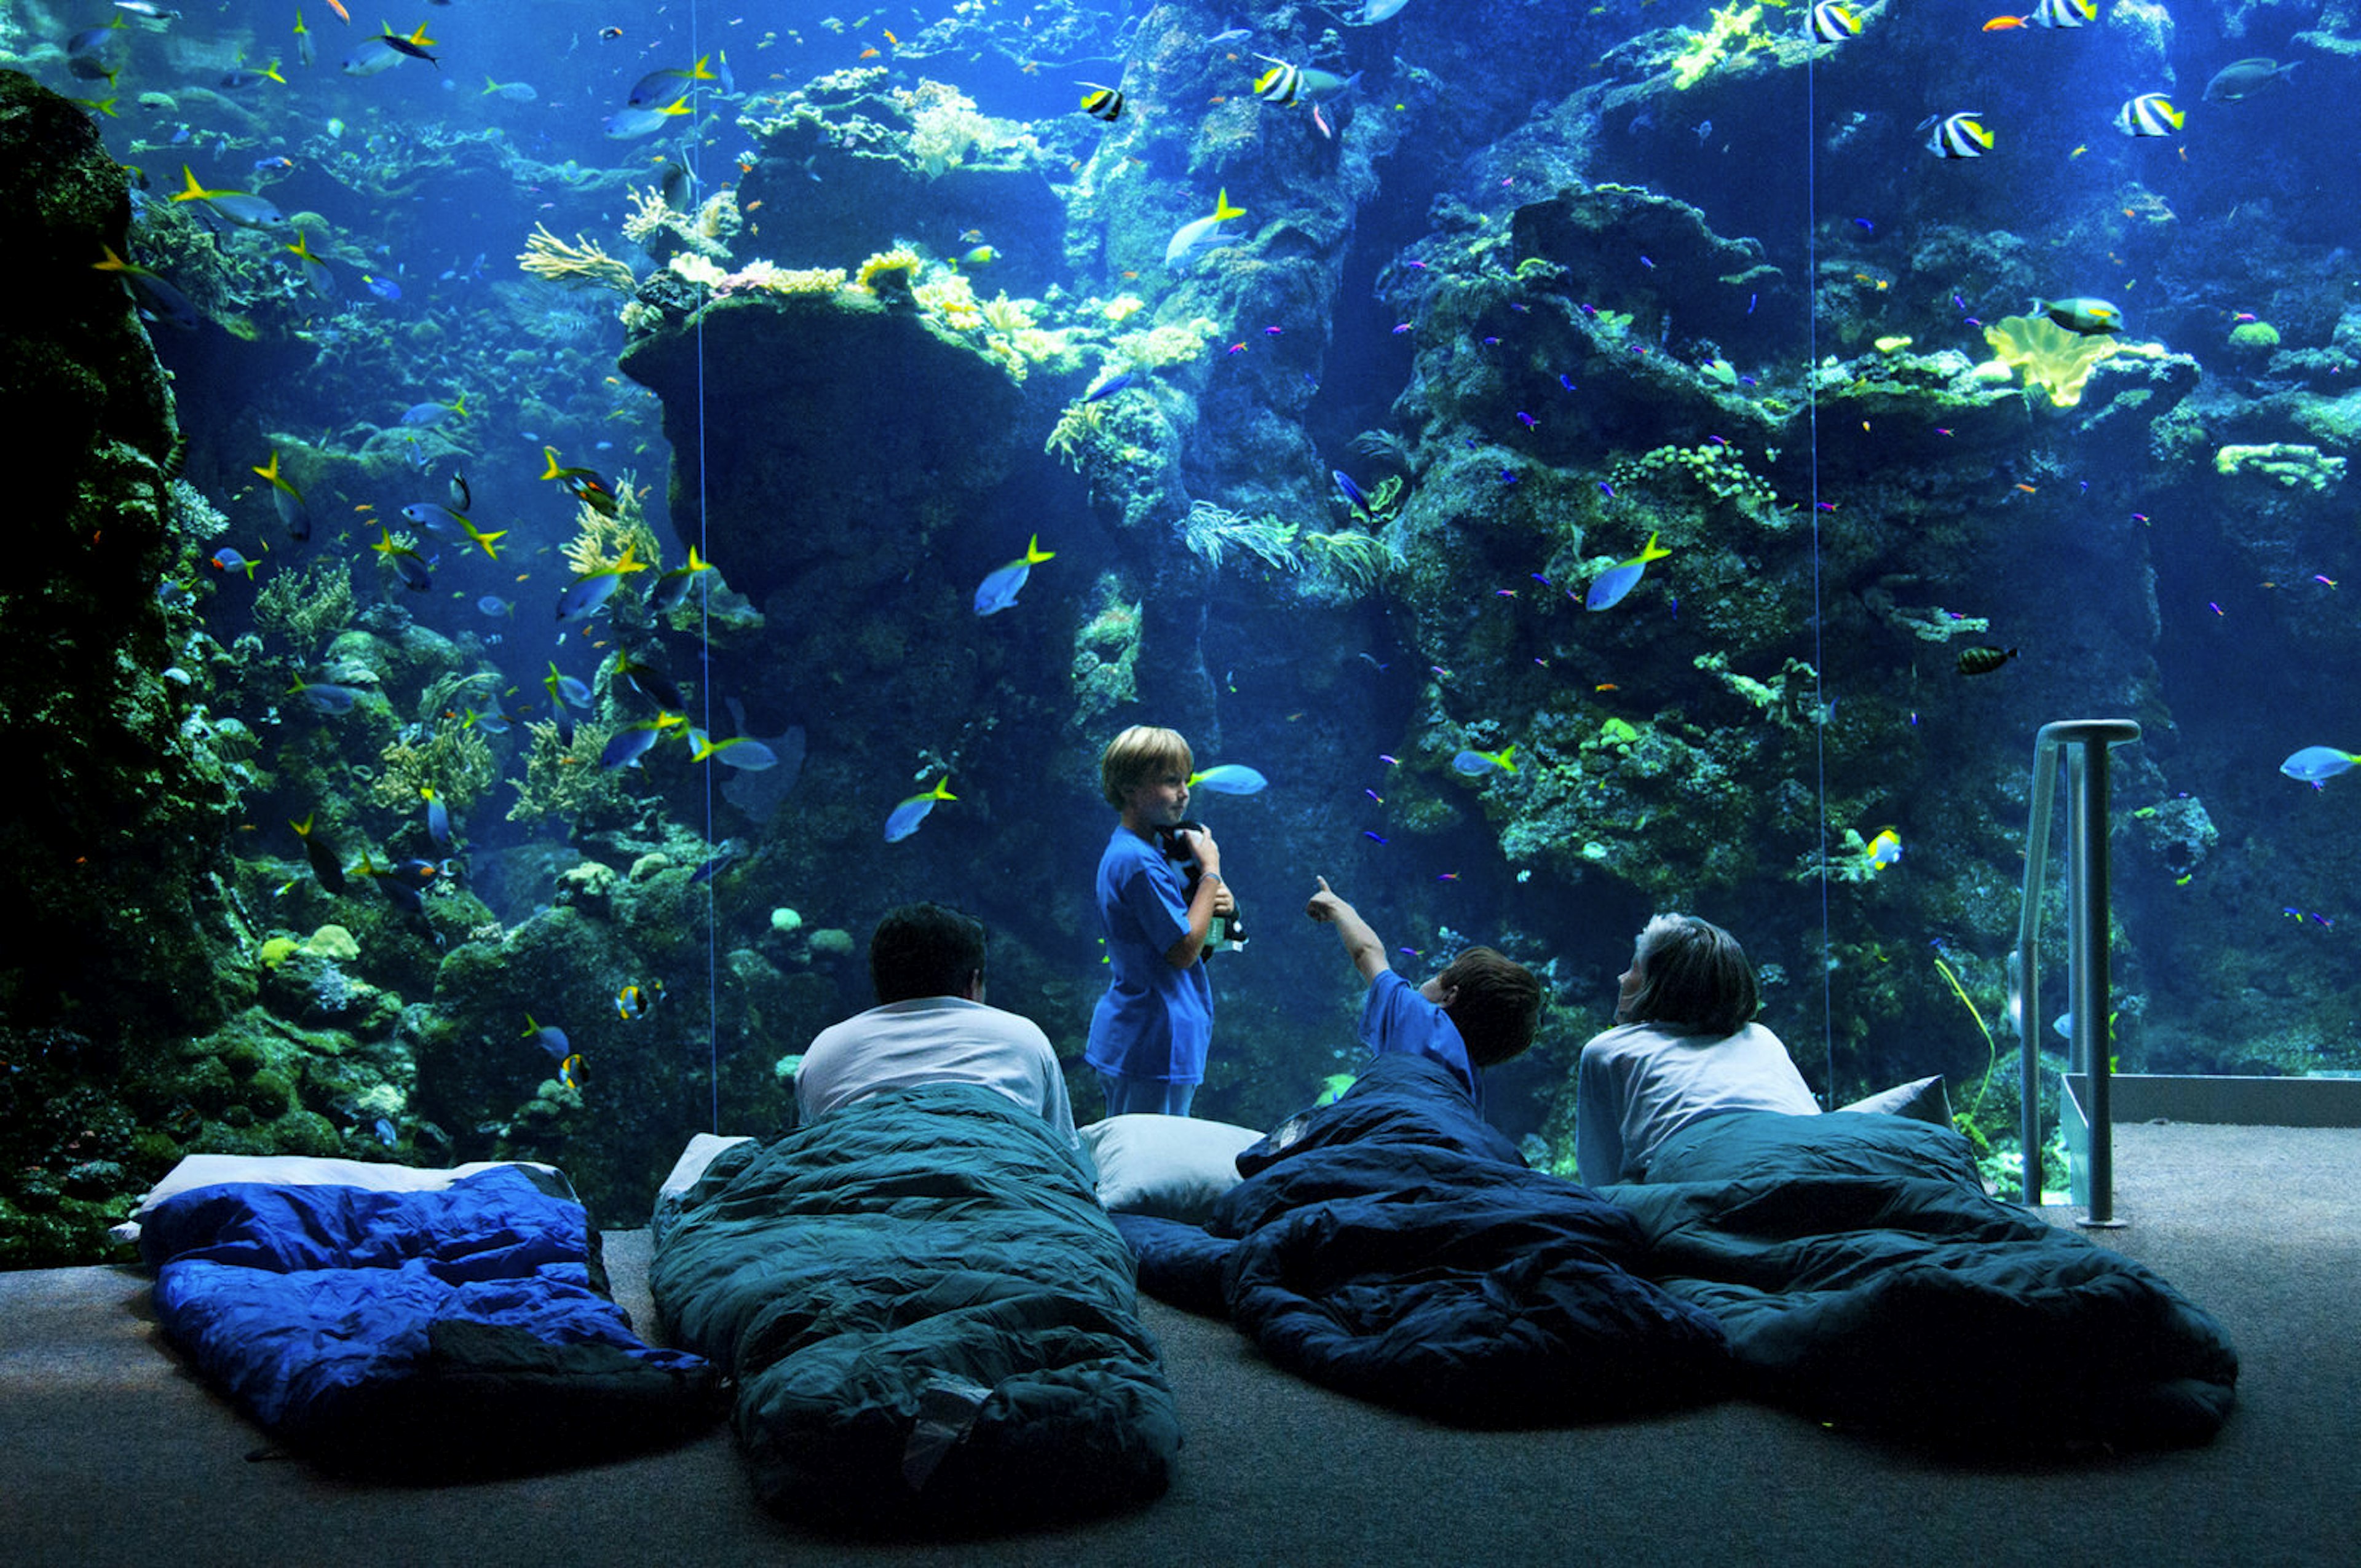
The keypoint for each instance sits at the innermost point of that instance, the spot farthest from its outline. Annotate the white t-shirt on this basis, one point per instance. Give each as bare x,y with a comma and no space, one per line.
935,1039
1640,1084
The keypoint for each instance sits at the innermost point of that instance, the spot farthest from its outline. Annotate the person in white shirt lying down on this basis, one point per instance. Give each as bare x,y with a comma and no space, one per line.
1688,1048
930,1026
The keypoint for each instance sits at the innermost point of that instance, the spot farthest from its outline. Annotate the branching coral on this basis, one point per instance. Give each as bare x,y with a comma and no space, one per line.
307,606
1790,698
599,540
707,231
1733,34
946,127
1927,623
454,761
567,781
546,256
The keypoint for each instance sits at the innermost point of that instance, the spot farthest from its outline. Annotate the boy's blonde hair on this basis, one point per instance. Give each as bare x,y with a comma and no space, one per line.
1138,754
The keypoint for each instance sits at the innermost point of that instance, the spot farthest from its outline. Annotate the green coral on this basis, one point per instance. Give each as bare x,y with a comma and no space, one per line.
2254,338
1355,560
2049,357
2290,464
1211,531
1718,469
1106,653
1733,34
307,606
565,781
1167,343
454,761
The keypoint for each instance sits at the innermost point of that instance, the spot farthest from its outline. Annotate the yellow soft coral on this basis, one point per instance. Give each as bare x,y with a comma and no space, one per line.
889,271
2050,356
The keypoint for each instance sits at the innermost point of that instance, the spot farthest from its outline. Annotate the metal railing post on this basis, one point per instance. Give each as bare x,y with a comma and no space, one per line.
2087,927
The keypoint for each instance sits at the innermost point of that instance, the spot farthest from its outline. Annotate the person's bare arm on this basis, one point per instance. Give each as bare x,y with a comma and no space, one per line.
1361,943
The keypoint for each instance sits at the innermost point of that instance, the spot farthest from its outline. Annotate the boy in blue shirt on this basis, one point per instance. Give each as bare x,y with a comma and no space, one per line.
1150,1031
1477,1012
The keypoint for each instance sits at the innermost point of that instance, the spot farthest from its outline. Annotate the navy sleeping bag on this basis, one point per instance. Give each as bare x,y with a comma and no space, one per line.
1394,1246
1867,1281
434,1334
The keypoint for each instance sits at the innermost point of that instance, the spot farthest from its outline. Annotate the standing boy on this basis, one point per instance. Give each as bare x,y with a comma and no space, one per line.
1150,1031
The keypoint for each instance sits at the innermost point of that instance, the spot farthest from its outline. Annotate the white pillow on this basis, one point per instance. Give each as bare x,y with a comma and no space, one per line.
306,1170
1175,1167
1921,1100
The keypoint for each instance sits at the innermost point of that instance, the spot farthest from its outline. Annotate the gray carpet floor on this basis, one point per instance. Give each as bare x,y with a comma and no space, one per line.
110,1453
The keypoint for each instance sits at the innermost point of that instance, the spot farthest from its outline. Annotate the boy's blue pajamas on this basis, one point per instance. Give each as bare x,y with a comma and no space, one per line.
1396,1020
1155,1022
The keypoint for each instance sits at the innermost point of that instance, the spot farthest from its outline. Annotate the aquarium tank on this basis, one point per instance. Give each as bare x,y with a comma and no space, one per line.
535,522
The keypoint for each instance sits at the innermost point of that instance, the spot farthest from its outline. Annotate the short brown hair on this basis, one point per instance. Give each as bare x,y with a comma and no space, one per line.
1497,1002
1694,976
1138,754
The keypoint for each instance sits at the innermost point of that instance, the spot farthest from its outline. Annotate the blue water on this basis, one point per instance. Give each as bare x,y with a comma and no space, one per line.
2132,578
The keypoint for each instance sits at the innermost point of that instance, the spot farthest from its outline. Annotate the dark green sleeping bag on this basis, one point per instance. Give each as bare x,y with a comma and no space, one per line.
930,1321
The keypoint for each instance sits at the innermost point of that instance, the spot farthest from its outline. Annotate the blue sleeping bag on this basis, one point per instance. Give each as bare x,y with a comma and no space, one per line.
434,1334
1394,1246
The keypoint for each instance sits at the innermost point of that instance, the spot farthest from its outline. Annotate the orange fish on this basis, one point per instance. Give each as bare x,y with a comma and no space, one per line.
869,54
338,7
2002,23
2028,489
1606,686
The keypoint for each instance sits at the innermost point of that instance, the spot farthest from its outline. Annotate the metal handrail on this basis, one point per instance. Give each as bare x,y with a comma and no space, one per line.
2086,948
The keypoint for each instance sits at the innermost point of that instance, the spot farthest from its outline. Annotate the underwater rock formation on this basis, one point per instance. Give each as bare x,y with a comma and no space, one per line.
117,817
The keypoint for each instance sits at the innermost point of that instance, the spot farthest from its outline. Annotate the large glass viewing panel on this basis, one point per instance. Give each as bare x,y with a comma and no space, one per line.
653,487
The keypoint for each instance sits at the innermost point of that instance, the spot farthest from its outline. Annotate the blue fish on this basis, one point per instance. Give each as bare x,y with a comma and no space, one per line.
492,604
1623,576
2317,764
633,741
325,697
549,1037
1108,388
903,819
999,590
1476,764
1229,778
628,125
593,589
737,751
383,288
438,817
1350,491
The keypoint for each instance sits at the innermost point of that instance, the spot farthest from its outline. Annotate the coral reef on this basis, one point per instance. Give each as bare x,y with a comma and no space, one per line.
2288,463
582,262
